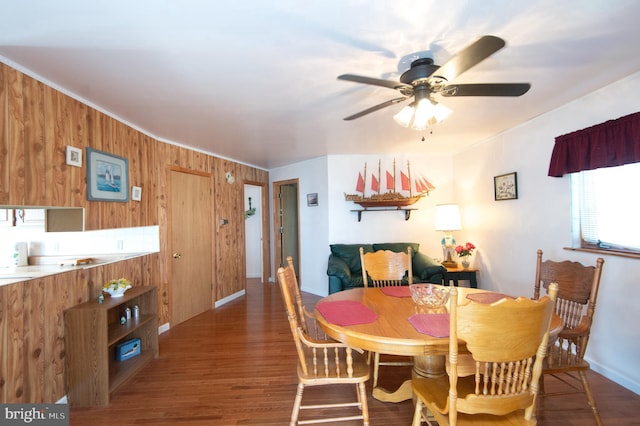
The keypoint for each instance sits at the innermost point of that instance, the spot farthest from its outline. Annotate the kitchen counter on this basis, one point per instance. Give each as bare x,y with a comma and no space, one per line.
51,265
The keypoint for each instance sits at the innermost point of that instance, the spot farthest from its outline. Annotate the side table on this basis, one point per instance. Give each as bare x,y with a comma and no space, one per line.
455,274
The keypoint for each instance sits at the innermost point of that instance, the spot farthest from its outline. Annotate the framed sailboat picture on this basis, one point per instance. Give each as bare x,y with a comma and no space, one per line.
107,177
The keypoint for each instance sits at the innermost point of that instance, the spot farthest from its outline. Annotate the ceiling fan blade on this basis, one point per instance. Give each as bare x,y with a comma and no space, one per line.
373,81
375,108
472,55
489,89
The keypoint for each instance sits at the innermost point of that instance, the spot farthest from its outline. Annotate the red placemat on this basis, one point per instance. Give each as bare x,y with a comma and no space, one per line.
396,291
487,298
346,312
436,325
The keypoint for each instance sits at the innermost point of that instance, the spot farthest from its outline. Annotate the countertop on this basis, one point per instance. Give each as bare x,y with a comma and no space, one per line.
51,265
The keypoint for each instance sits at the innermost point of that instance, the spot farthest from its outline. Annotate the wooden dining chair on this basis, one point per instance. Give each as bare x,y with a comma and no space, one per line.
577,295
306,319
507,341
322,362
386,268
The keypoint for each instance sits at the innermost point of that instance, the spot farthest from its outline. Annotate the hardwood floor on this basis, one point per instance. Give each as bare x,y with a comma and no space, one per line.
235,365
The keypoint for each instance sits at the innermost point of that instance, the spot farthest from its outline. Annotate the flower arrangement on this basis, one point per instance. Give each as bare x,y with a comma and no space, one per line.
466,250
116,287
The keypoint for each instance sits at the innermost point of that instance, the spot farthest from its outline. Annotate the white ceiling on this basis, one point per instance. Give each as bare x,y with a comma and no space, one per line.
255,80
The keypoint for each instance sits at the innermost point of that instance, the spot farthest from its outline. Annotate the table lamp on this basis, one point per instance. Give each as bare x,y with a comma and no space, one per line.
448,220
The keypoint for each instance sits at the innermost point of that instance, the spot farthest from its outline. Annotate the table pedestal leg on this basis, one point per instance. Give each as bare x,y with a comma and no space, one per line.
423,366
429,365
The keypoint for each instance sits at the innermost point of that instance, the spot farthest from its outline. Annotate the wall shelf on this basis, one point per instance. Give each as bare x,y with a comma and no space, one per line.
407,212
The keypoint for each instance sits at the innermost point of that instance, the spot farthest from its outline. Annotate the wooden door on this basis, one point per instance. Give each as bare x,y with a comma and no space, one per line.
191,245
286,223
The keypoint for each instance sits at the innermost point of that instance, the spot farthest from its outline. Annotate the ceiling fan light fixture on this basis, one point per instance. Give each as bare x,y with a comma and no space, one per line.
405,116
429,113
440,112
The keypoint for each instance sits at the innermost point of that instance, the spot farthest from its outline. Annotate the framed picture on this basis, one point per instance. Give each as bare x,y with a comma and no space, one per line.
107,177
505,187
312,200
74,156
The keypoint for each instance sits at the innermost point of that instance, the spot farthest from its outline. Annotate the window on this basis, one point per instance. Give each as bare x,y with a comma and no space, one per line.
605,208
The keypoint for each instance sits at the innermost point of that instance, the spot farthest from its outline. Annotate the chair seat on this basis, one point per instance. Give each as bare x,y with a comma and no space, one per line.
515,418
563,361
360,371
437,389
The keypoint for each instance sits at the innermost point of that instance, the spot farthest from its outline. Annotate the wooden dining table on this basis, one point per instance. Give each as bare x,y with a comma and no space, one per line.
392,333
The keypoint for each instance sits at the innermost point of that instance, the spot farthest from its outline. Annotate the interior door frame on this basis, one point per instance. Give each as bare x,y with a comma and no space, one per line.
266,244
277,257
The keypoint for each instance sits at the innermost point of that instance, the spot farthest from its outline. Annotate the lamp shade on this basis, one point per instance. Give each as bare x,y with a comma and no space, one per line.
448,217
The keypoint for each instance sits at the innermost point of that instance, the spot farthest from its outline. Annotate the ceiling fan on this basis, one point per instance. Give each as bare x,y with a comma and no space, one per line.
424,78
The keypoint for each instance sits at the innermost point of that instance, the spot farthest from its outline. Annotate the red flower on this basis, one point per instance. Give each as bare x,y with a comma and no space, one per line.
466,250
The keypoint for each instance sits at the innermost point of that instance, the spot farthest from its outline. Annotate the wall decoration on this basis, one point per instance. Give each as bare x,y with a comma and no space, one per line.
74,156
107,177
312,200
251,211
505,187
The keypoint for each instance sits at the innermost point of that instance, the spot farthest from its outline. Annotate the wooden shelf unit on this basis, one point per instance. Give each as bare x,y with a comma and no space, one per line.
92,332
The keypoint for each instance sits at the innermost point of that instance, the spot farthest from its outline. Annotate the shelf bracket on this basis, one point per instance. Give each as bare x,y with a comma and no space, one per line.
407,212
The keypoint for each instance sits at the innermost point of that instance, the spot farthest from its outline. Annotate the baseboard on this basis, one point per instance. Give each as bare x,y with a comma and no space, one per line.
614,376
164,327
229,298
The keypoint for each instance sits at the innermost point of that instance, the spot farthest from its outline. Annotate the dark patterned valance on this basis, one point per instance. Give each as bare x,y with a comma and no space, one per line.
612,143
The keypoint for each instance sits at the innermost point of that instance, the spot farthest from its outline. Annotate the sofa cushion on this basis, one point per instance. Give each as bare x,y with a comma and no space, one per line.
339,268
397,247
425,267
350,253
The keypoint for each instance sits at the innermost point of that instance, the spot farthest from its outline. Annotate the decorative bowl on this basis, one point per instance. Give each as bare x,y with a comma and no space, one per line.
431,295
117,288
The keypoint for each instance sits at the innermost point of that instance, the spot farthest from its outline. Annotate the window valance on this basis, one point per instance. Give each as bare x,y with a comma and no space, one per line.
612,143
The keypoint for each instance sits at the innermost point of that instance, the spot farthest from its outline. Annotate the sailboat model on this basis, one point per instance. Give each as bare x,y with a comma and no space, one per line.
391,198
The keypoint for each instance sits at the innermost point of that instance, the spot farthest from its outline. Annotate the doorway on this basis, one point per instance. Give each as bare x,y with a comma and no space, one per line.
253,242
286,223
191,244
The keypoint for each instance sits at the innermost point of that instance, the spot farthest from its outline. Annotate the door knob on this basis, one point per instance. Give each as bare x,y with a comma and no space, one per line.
177,255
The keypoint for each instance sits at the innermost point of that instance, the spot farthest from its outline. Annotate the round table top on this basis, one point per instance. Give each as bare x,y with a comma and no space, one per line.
392,333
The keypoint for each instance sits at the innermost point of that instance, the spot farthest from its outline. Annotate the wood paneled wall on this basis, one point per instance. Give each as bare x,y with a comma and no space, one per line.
37,122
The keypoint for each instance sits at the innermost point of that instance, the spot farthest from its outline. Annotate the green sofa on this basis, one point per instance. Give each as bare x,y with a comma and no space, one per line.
345,271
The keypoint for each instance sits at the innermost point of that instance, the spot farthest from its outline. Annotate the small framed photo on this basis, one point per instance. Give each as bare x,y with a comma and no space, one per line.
505,187
136,193
312,200
74,156
107,177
